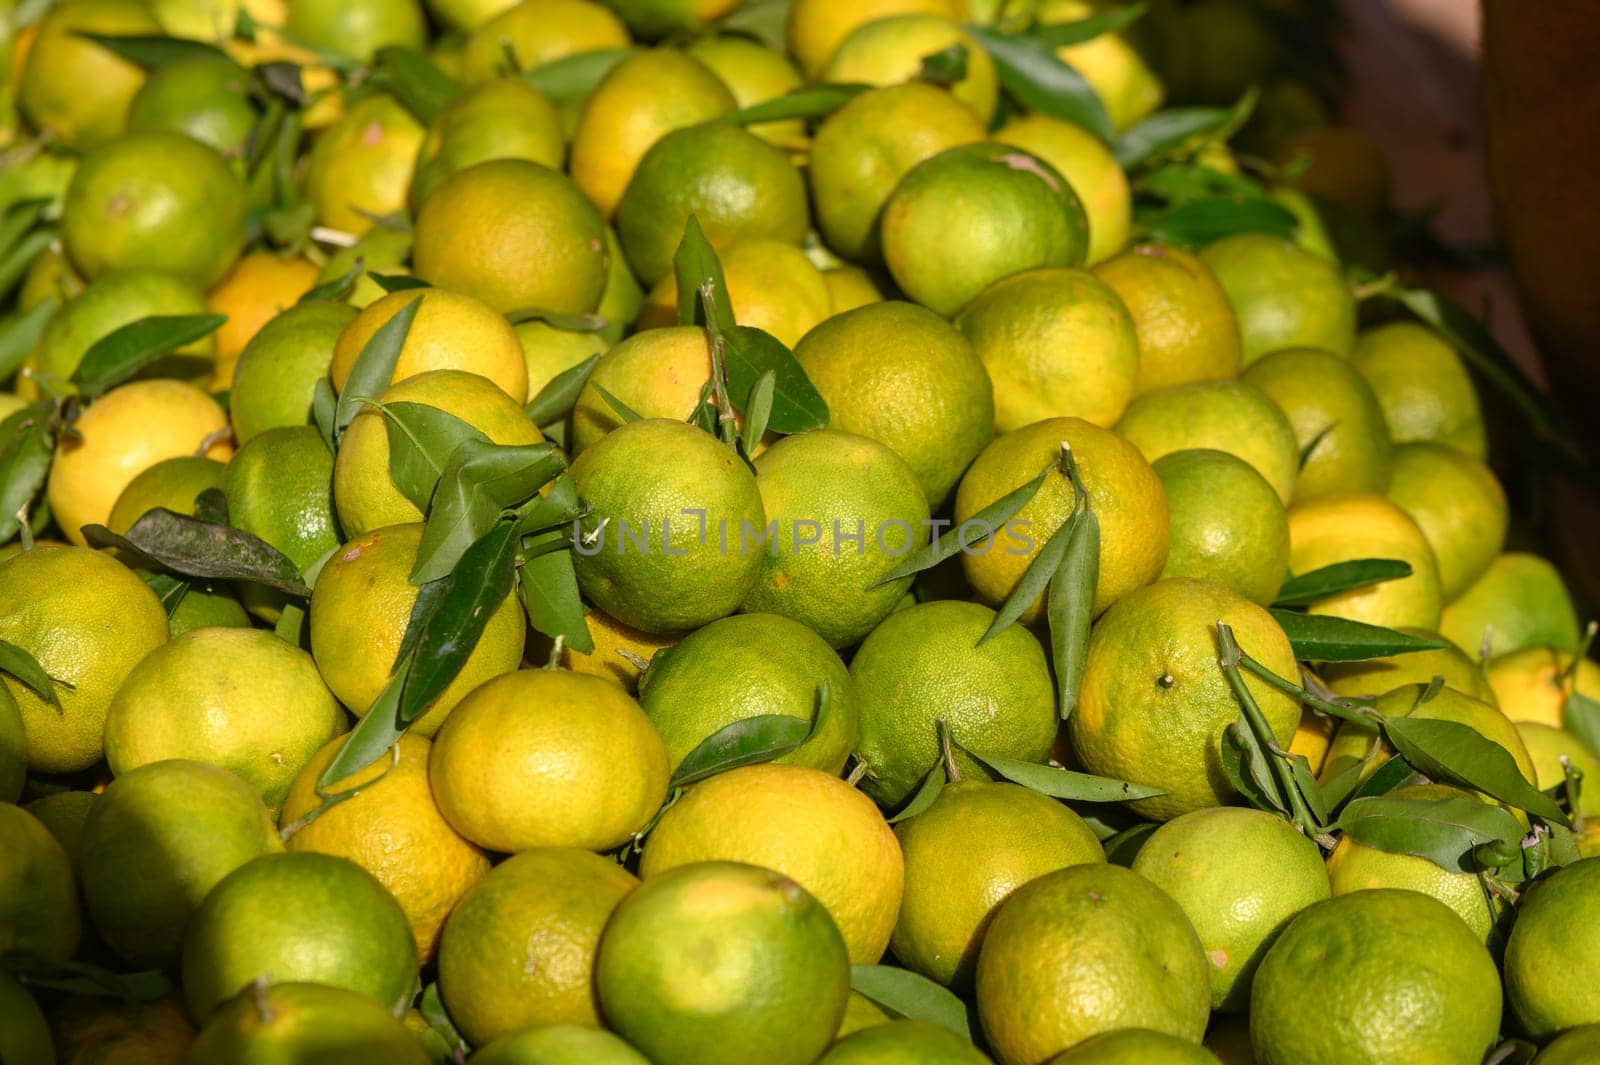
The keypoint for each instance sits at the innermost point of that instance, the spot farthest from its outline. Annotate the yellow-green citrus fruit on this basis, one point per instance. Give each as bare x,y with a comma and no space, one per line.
1114,69
719,963
1091,170
1395,975
754,73
814,29
771,286
964,856
967,217
925,663
1229,416
1356,866
156,201
1338,425
363,491
298,917
515,235
736,185
861,1012
63,813
1227,524
1153,703
900,375
1534,684
751,665
1124,492
279,488
851,287
1573,1047
1363,742
611,637
171,483
802,822
548,758
659,546
356,29
1422,386
1240,875
203,98
1282,295
641,99
1554,752
862,150
156,842
904,1043
526,36
889,51
1186,327
1377,676
1554,951
842,512
200,697
1057,343
88,621
276,375
362,165
1135,1046
1458,504
304,1022
1340,528
24,1033
548,351
38,894
13,749
73,89
518,951
449,332
1519,601
1106,947
559,1044
505,118
110,302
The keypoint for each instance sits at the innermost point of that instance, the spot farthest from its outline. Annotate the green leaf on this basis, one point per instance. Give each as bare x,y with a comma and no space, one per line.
128,349
397,282
1102,22
1339,577
1305,781
153,52
15,263
748,741
758,410
170,590
621,409
337,289
904,993
695,263
1030,71
813,101
1062,783
1122,848
420,86
573,77
749,353
927,793
1165,131
20,333
1581,717
421,441
1035,579
960,537
22,665
1453,753
374,367
466,599
480,482
764,20
431,1006
1194,225
81,978
1244,763
547,585
323,405
1393,774
1315,442
374,735
25,450
946,66
1324,638
1069,609
557,398
1444,831
194,548
567,323
210,504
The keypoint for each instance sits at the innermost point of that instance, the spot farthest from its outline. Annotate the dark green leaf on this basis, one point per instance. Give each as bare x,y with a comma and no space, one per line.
470,595
748,741
974,530
1315,442
210,504
547,584
1453,753
813,101
1069,609
557,398
170,590
1305,781
1194,225
1340,577
1444,831
195,548
749,352
573,77
374,735
20,333
1037,78
1324,638
927,793
128,349
1339,779
906,994
421,441
153,52
18,218
764,20
15,263
1063,783
81,978
481,481
1244,763
1393,774
1122,848
397,282
374,367
946,66
22,665
25,449
758,410
1165,131
694,264
338,289
567,323
621,409
431,1006
1581,717
323,405
422,88
1035,579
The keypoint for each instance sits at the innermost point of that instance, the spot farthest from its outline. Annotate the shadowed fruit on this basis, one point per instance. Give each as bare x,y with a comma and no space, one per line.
890,51
1458,504
200,97
1378,676
74,89
356,29
1283,296
559,1044
1363,742
38,893
113,301
1135,1046
904,1043
771,285
1534,684
1091,170
1422,387
1519,601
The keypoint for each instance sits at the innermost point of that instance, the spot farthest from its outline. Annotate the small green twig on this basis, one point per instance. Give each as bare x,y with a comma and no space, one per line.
1231,659
1342,708
947,752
